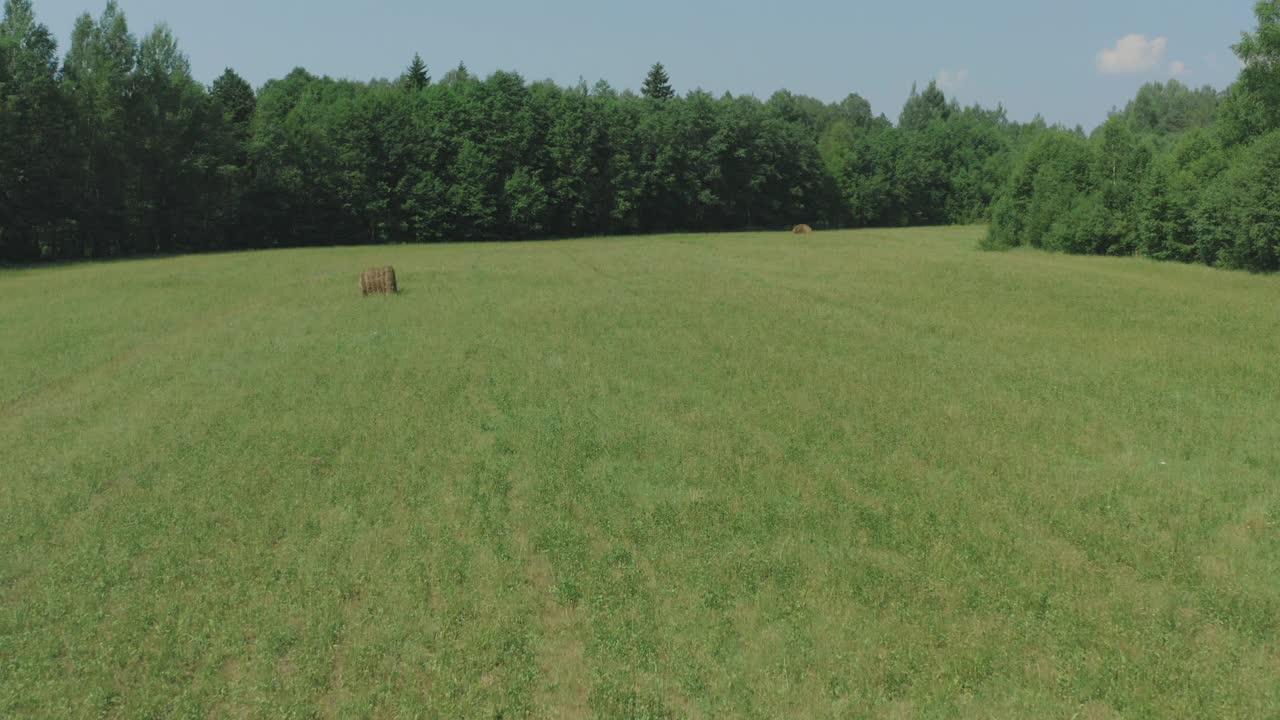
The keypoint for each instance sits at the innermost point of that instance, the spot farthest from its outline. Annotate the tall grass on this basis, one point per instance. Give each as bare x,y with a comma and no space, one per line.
871,473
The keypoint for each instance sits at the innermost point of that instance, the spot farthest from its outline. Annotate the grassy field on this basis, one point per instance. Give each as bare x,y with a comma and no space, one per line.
859,474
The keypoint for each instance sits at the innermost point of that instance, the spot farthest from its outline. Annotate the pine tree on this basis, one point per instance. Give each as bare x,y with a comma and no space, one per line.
657,85
923,108
416,77
235,97
458,76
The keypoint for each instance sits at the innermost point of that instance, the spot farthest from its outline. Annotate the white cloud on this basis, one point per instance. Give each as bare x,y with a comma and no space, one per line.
1132,54
1177,68
953,80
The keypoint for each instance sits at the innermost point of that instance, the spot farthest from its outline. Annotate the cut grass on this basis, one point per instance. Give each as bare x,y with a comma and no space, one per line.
855,474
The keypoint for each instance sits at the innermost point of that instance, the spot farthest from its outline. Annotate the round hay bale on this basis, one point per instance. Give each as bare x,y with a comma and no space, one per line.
378,281
802,230
389,279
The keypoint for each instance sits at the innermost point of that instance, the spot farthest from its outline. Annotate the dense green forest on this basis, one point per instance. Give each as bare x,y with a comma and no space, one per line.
113,149
116,150
1179,175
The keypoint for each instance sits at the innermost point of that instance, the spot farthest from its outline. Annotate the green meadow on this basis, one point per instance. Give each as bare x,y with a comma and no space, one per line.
855,474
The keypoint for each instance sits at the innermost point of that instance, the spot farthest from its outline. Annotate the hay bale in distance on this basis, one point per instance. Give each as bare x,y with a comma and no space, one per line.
802,230
378,281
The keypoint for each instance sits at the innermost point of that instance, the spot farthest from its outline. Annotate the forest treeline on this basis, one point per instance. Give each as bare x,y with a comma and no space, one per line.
115,150
1181,175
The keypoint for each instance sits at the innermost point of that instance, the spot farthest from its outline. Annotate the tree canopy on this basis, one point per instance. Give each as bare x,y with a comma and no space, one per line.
114,150
1181,174
123,153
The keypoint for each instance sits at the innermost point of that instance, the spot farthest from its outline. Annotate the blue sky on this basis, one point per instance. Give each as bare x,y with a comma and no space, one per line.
1035,56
